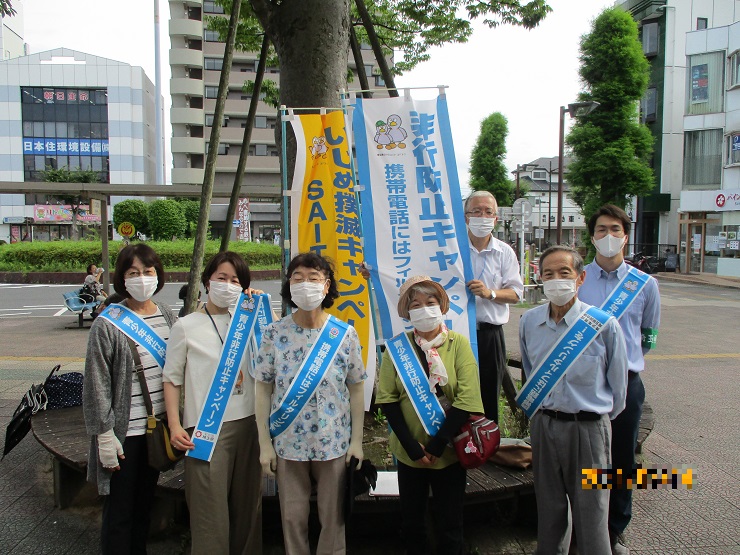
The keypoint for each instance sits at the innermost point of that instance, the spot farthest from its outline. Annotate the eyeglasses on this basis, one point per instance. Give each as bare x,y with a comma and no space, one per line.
149,272
479,212
316,278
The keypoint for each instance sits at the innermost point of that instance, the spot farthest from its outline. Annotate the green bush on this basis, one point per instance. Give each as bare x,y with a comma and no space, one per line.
133,211
74,256
166,219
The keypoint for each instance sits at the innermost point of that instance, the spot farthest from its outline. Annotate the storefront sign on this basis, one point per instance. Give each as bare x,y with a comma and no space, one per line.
65,147
13,219
62,213
722,200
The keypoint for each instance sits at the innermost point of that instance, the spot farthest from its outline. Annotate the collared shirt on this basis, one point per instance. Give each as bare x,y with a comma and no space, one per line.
596,381
497,267
644,312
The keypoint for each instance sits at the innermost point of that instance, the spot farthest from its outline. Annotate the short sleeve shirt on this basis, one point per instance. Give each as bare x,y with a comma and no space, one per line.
322,429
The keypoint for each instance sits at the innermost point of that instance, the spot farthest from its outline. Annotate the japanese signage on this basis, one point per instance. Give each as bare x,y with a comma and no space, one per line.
412,210
699,83
65,147
62,213
244,217
722,200
327,220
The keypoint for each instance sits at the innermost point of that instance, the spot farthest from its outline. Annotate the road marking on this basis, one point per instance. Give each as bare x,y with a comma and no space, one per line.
14,315
44,359
698,355
62,311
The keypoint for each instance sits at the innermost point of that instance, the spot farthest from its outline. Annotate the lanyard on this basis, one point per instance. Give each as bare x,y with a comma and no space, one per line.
215,327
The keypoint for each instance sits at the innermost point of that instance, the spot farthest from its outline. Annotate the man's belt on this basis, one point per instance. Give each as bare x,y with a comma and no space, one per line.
582,416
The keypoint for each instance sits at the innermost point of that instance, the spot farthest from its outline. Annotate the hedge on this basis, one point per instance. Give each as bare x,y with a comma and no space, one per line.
74,256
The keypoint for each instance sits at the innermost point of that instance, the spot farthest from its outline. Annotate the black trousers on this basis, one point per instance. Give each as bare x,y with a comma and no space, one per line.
448,492
492,363
625,428
126,511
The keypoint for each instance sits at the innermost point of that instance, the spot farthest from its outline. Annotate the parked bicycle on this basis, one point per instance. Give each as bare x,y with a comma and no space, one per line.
647,264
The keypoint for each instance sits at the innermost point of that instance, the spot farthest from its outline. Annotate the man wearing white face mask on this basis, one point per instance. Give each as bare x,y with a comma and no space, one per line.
586,387
496,283
608,277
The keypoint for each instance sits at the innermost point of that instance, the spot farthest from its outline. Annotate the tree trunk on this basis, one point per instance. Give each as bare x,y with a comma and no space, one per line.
244,152
385,71
357,55
196,266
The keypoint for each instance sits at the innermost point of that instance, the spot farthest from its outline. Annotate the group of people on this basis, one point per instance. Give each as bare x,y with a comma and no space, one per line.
295,410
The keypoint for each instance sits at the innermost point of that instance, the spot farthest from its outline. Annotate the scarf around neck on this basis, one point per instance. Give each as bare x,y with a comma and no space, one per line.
437,370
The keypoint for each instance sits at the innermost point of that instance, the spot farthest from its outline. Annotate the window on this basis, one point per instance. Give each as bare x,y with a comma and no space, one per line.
379,82
702,157
734,69
733,148
211,7
369,70
650,34
701,23
213,64
211,92
223,148
571,219
705,85
260,122
648,106
210,36
539,174
260,150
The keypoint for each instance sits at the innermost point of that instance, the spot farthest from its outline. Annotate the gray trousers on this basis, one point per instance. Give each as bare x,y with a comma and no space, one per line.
294,488
560,450
225,496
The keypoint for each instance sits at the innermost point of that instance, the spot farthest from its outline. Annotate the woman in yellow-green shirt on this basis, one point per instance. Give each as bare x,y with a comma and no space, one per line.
426,461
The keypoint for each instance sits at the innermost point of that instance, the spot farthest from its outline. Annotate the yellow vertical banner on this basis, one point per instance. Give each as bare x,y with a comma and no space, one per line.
328,220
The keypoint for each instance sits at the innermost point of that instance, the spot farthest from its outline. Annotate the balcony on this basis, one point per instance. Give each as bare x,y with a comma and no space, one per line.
189,28
235,135
188,145
185,85
187,176
188,116
255,164
186,57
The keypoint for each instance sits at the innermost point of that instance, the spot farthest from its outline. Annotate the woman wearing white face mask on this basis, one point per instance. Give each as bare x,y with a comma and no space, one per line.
425,461
224,494
115,415
323,428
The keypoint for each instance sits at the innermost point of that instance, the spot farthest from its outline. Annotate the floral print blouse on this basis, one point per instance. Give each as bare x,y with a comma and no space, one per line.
322,430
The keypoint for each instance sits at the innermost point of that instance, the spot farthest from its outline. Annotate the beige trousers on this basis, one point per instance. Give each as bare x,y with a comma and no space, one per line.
225,496
294,489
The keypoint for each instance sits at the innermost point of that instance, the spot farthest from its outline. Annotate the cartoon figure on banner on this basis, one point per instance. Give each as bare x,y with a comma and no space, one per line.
381,135
248,304
318,149
397,133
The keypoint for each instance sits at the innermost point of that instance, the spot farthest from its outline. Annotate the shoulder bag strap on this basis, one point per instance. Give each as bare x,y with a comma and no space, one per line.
140,374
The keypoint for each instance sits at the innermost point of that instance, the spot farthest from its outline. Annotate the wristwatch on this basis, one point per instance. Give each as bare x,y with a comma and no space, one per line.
493,295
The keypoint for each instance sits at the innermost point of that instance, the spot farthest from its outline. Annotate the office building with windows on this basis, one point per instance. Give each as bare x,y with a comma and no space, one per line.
64,108
196,59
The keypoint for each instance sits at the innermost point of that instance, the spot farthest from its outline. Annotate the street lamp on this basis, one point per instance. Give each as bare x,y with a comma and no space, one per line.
575,109
522,168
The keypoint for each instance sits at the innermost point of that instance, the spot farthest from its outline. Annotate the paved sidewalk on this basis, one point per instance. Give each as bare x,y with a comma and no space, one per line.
691,384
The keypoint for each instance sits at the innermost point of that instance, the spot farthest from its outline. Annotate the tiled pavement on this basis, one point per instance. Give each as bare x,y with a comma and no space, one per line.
695,401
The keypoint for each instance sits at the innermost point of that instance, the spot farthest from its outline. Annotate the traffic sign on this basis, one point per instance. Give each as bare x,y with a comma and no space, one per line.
505,213
516,226
539,233
522,209
237,223
126,229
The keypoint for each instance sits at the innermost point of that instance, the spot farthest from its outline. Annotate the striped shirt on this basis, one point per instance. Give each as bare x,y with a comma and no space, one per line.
153,374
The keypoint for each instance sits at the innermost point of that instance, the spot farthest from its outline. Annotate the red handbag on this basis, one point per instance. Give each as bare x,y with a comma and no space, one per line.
477,441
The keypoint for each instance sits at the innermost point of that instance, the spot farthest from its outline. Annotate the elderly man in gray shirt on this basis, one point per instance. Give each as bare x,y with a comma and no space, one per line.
571,430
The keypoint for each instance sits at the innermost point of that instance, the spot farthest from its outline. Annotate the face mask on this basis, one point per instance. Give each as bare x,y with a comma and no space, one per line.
307,296
559,291
481,227
426,318
223,294
141,288
609,246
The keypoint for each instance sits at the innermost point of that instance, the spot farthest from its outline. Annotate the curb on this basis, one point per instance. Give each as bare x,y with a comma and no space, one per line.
76,278
695,281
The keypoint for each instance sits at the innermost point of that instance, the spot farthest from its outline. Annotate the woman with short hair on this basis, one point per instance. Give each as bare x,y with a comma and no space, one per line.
114,409
449,371
309,404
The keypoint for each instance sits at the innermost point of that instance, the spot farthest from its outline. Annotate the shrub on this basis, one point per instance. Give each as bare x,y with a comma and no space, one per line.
166,219
133,211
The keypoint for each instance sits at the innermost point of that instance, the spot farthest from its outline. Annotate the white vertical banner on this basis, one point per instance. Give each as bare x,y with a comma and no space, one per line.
411,205
243,230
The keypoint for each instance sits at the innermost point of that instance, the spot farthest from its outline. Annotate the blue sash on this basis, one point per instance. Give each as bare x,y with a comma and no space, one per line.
312,371
564,353
212,413
625,292
415,382
133,326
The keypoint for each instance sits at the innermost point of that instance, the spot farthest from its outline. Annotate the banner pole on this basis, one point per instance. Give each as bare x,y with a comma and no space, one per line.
285,239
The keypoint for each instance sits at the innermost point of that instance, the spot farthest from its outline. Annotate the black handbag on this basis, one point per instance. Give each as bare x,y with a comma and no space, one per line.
160,453
63,390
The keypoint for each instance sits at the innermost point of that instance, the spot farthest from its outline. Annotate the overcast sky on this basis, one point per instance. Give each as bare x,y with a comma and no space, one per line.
526,75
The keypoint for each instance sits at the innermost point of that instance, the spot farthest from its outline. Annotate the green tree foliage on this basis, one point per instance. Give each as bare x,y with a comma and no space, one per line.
191,210
6,8
133,211
611,149
166,219
65,175
487,169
